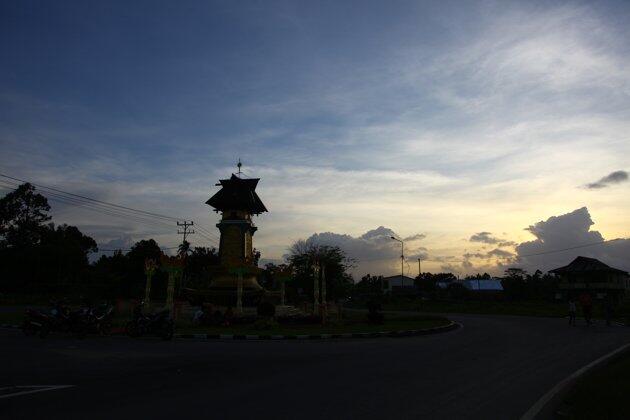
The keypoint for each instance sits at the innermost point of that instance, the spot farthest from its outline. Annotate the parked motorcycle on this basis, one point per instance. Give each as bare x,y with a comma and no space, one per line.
158,323
99,319
43,322
59,319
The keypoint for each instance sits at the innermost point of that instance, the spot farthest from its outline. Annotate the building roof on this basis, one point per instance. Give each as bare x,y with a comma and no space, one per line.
483,284
398,277
586,265
237,194
400,281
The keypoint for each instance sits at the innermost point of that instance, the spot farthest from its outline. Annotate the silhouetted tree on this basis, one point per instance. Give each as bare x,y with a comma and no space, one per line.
302,257
23,213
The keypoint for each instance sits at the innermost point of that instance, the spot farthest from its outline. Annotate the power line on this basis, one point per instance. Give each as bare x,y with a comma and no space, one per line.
129,249
110,209
92,199
570,248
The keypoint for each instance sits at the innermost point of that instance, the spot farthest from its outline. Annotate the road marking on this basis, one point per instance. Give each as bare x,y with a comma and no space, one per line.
535,409
29,389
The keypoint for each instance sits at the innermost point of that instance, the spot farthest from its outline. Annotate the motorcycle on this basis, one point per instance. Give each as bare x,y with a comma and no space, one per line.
59,319
99,319
44,322
159,323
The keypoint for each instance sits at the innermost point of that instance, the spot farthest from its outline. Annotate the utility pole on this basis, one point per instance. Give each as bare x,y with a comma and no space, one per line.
402,261
419,267
185,232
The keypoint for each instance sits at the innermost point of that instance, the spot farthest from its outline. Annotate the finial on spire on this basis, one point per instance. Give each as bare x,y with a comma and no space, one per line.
238,165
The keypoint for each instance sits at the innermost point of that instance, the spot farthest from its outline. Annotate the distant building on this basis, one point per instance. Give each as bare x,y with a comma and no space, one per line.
592,276
398,283
483,285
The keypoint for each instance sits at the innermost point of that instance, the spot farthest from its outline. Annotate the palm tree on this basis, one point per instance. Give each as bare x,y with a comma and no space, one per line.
184,249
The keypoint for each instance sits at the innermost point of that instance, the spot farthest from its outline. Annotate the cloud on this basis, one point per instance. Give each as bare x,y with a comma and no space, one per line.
616,177
484,237
374,251
487,238
124,242
567,231
416,237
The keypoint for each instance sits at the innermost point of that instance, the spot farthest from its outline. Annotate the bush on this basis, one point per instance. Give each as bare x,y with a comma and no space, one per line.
265,324
374,313
300,319
266,310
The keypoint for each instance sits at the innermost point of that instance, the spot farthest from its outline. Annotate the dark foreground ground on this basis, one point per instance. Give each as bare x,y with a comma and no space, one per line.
493,368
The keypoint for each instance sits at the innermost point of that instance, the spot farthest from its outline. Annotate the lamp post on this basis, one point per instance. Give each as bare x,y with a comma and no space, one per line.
402,261
315,286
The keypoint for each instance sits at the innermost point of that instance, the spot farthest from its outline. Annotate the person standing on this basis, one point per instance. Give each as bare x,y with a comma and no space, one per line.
587,307
572,311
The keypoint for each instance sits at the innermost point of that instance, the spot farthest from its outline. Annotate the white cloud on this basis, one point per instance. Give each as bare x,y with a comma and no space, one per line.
374,251
566,231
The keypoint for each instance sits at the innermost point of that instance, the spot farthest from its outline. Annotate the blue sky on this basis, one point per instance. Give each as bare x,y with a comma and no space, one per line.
441,118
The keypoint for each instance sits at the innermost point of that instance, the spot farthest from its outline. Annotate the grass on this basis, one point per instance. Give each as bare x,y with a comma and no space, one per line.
602,394
14,318
353,322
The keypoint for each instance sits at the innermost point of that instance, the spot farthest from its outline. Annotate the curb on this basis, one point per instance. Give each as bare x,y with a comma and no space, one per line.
401,333
541,408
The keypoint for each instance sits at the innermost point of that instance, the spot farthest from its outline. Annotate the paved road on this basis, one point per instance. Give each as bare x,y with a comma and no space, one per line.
493,368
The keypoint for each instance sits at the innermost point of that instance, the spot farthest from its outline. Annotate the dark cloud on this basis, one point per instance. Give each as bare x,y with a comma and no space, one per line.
500,253
484,237
420,253
506,243
566,231
612,178
495,253
487,238
416,237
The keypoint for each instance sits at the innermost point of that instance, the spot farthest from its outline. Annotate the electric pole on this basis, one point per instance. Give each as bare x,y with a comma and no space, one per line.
185,232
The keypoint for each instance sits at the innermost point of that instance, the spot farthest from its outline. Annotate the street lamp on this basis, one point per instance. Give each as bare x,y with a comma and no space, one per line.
402,261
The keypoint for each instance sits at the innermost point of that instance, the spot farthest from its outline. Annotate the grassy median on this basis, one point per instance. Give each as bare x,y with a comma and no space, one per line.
601,394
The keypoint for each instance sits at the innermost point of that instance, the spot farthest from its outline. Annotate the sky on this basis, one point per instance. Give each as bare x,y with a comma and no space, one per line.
478,132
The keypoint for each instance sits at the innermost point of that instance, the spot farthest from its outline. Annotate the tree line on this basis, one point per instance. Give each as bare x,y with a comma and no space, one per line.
38,257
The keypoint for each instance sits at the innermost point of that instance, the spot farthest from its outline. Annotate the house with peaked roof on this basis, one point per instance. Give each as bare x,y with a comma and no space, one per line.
592,276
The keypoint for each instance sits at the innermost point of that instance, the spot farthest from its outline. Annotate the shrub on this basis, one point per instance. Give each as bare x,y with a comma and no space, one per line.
265,324
374,313
266,310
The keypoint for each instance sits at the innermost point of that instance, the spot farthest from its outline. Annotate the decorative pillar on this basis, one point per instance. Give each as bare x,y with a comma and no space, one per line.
324,311
149,269
239,271
174,267
283,276
239,293
316,287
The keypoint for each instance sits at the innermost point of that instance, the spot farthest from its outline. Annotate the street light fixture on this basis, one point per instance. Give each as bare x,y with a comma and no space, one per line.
402,261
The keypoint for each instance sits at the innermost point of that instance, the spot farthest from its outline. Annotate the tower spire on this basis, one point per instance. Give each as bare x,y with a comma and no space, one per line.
238,165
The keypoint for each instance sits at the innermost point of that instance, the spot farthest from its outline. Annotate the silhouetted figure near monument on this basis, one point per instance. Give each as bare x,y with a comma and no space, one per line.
572,311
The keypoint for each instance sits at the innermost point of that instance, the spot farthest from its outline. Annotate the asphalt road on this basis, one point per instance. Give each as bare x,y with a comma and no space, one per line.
493,368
